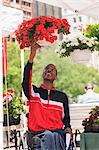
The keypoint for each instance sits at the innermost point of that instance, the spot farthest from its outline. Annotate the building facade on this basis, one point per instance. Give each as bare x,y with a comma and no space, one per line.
33,8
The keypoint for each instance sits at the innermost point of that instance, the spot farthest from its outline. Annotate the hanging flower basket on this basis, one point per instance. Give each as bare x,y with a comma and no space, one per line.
79,48
41,29
80,56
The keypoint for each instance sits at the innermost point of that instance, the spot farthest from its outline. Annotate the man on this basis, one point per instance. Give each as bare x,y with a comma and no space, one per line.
48,108
90,96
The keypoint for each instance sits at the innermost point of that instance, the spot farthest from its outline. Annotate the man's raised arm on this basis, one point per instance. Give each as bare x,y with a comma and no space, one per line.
28,71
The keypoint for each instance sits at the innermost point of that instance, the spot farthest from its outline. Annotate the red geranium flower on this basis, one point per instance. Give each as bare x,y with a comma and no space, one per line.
40,28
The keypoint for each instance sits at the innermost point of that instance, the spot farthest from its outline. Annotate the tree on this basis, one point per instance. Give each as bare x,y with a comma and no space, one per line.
14,68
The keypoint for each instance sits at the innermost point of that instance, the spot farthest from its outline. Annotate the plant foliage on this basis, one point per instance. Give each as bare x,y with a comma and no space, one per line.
15,107
93,118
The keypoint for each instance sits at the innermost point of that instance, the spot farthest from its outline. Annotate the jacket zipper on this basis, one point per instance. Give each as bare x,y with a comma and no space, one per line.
48,96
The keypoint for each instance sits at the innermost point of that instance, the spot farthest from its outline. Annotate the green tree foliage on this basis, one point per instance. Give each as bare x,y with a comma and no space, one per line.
92,31
71,77
14,69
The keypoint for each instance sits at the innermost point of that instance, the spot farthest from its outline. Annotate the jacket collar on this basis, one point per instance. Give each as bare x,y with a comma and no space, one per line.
42,86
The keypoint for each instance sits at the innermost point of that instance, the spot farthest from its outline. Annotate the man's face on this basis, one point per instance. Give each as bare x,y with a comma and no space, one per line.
50,73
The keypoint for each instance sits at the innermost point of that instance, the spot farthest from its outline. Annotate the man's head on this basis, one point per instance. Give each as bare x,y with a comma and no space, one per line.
50,73
89,86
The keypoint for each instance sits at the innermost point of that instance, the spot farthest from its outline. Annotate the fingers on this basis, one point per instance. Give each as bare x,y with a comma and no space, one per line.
35,46
68,130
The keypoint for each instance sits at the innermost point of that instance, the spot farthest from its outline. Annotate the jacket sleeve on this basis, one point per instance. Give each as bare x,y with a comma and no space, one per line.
66,119
26,79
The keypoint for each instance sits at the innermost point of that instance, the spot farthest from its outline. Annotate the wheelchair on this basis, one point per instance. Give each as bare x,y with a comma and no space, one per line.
36,143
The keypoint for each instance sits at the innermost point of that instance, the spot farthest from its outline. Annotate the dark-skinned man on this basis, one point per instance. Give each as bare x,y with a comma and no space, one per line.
48,108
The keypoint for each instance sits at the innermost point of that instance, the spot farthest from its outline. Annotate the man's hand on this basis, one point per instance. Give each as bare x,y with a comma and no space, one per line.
34,47
69,130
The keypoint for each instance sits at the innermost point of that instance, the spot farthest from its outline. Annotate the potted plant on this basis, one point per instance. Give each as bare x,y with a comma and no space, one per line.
91,124
79,48
39,29
14,106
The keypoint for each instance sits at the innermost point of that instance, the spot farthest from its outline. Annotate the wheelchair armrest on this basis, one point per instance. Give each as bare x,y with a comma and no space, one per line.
67,140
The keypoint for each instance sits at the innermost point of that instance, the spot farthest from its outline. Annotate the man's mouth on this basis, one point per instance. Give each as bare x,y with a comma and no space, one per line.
48,74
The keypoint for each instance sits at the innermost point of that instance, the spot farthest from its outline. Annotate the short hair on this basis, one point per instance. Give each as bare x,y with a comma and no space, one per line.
89,86
52,65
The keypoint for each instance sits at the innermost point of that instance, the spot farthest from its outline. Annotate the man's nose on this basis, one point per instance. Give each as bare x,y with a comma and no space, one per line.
49,70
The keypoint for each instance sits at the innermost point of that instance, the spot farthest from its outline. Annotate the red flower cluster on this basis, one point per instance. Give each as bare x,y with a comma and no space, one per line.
8,96
40,28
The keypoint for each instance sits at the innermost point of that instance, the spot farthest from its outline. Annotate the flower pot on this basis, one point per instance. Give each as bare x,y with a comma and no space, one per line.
12,121
80,56
44,43
92,128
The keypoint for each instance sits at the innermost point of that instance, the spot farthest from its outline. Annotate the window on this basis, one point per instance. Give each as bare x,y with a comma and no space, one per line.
28,4
24,12
74,19
17,1
80,19
13,39
65,11
23,3
28,13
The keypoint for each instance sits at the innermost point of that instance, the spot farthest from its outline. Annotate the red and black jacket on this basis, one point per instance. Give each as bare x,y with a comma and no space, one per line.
48,109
